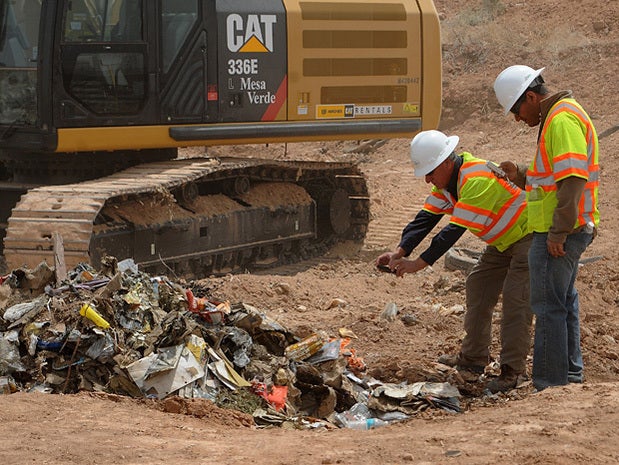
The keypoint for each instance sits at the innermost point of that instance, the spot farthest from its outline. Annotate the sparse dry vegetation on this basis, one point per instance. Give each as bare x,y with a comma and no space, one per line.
472,35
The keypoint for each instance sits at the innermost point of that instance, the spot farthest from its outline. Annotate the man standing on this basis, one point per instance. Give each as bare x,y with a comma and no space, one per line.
493,209
562,193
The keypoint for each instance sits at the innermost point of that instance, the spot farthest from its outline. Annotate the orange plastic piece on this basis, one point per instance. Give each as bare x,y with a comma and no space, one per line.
277,397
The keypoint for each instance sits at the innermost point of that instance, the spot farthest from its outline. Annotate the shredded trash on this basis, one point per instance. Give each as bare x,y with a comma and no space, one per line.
121,331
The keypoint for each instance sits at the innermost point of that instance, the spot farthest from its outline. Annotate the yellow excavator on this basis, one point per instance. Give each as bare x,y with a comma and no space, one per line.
97,96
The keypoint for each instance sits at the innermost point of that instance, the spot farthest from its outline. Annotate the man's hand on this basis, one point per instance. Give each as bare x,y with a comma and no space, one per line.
555,249
403,265
385,258
511,170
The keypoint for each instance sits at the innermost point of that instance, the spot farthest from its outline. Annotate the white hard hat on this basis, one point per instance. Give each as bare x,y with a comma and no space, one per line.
511,84
429,149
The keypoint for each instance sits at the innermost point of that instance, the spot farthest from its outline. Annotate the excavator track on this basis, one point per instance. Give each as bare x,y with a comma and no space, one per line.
193,217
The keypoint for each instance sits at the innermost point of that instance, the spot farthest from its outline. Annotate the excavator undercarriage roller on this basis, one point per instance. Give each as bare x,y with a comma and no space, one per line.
339,212
181,215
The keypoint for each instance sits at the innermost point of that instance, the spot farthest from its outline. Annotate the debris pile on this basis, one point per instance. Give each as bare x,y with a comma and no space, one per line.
121,331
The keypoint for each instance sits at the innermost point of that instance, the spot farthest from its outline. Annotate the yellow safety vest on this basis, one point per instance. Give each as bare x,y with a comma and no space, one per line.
568,146
491,208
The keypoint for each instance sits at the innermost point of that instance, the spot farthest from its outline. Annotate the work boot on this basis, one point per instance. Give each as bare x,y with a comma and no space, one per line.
460,363
506,381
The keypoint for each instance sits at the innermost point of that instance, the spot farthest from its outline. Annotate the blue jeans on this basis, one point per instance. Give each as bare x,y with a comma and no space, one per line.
557,358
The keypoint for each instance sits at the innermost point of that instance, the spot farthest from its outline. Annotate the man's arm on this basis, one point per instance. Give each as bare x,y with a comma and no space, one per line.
441,243
569,193
417,230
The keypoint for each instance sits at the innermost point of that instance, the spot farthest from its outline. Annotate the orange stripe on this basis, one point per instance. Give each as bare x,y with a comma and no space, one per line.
565,156
570,172
436,210
467,224
280,97
511,222
538,174
477,174
499,214
476,210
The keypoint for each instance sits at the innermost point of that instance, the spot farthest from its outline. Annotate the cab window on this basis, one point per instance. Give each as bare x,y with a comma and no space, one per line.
103,21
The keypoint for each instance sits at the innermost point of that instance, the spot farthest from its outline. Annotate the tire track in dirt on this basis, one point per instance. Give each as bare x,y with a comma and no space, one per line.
385,232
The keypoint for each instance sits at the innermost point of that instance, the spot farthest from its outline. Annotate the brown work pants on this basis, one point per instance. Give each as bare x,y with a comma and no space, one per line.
494,273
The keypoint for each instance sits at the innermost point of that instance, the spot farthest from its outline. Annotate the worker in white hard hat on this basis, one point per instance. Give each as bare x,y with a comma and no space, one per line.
491,207
562,195
510,88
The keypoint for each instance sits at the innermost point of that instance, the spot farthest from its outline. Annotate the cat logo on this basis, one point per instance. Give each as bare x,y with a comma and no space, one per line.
254,34
335,111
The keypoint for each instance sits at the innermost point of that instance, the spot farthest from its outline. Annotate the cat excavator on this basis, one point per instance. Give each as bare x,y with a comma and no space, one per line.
98,96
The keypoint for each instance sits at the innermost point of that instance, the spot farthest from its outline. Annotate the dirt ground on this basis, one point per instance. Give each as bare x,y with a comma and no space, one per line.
578,43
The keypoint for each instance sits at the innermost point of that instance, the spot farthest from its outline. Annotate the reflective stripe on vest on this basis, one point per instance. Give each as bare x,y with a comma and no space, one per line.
548,168
491,208
439,202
